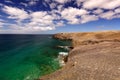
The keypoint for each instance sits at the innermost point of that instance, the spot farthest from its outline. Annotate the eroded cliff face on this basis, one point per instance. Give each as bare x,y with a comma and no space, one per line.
95,56
86,38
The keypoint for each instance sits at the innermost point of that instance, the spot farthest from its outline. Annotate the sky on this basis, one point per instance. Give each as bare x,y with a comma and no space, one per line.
54,16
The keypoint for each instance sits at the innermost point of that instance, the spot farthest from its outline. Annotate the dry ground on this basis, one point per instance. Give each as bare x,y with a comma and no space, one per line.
92,61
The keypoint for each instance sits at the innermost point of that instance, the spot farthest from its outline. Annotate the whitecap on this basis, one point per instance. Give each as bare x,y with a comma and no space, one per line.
63,53
61,58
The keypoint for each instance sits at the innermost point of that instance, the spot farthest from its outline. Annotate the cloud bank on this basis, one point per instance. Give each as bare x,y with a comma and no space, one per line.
82,11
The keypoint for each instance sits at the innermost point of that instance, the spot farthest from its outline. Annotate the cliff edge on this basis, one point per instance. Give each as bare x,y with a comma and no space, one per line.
85,38
96,56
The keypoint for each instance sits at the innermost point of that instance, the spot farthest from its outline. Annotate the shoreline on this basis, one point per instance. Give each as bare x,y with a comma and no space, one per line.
92,53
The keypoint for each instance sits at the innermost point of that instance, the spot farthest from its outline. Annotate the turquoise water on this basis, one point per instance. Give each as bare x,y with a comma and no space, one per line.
27,57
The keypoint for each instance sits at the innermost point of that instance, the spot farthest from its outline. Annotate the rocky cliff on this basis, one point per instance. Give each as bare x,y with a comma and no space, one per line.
96,56
85,38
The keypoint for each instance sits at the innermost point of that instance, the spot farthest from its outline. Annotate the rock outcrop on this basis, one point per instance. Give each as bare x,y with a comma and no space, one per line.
96,56
85,38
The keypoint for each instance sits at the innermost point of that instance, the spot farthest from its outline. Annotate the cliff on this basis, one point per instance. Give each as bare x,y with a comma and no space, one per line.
96,56
85,38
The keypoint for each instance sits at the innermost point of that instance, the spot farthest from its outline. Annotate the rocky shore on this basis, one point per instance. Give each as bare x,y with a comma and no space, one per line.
95,56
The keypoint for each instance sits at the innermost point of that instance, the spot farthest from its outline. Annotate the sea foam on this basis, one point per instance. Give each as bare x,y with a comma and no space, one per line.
62,58
63,53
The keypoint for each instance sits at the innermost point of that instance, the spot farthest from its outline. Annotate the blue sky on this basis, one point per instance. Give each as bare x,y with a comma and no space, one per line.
53,16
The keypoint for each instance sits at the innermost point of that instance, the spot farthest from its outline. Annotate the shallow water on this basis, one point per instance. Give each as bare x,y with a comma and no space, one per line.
27,57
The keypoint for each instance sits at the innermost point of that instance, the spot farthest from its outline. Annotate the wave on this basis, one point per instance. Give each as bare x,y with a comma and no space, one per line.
63,53
62,58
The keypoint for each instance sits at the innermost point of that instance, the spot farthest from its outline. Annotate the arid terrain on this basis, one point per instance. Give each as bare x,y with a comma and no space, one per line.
85,38
95,56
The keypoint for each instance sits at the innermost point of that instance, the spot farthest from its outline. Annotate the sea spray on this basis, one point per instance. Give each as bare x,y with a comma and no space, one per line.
62,57
63,53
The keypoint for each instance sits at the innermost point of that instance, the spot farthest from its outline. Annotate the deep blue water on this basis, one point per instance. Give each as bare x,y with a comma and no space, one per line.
27,57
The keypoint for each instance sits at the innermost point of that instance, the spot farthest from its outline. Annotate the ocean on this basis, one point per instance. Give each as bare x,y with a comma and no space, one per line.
28,57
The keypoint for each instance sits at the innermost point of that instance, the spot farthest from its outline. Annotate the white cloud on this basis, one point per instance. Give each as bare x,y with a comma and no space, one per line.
115,16
27,28
24,4
53,5
78,2
62,1
1,20
70,14
1,24
38,28
59,15
117,10
107,15
38,21
1,4
33,2
41,18
106,4
98,11
15,13
111,4
60,23
88,18
90,4
38,15
9,1
47,1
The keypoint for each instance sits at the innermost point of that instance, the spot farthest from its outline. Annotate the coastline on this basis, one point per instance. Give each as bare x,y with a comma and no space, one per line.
85,58
35,56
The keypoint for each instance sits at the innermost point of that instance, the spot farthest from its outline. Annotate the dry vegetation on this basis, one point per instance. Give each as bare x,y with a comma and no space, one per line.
96,56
